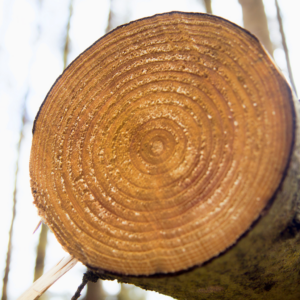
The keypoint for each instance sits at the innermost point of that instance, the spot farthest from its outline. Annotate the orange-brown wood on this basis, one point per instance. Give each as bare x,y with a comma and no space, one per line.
161,144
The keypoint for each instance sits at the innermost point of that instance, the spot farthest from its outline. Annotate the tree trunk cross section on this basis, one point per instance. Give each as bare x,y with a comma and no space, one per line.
159,147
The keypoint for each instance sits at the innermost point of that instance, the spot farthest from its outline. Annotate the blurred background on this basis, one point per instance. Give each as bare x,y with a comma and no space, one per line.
38,39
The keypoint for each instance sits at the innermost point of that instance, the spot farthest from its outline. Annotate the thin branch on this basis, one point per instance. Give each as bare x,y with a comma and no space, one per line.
255,20
67,41
10,235
79,289
208,6
24,121
37,226
47,279
285,48
109,26
41,253
88,276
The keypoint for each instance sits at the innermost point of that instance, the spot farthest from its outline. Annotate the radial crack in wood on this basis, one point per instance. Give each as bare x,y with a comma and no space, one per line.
161,144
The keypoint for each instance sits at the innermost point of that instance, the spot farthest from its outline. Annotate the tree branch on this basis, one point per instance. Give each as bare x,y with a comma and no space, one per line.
208,6
9,247
285,48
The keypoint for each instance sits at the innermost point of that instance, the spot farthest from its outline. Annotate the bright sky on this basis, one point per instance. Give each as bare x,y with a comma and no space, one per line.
31,45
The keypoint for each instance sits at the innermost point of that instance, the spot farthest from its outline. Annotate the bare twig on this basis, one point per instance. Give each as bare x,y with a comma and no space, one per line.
8,255
41,251
79,289
109,26
47,279
88,276
67,41
255,20
285,48
37,226
208,6
24,121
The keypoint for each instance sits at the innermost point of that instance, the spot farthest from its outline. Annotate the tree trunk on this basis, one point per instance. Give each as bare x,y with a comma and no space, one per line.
263,264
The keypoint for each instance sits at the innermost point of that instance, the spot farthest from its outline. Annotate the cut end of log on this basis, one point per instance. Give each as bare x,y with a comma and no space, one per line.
161,144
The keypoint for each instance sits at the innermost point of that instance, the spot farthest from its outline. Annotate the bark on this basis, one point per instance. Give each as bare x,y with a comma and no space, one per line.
255,20
263,264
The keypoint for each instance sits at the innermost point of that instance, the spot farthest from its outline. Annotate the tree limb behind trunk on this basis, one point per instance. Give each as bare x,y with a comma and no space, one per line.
255,21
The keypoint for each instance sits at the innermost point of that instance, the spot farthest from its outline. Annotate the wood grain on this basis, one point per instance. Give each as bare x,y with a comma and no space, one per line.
161,144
